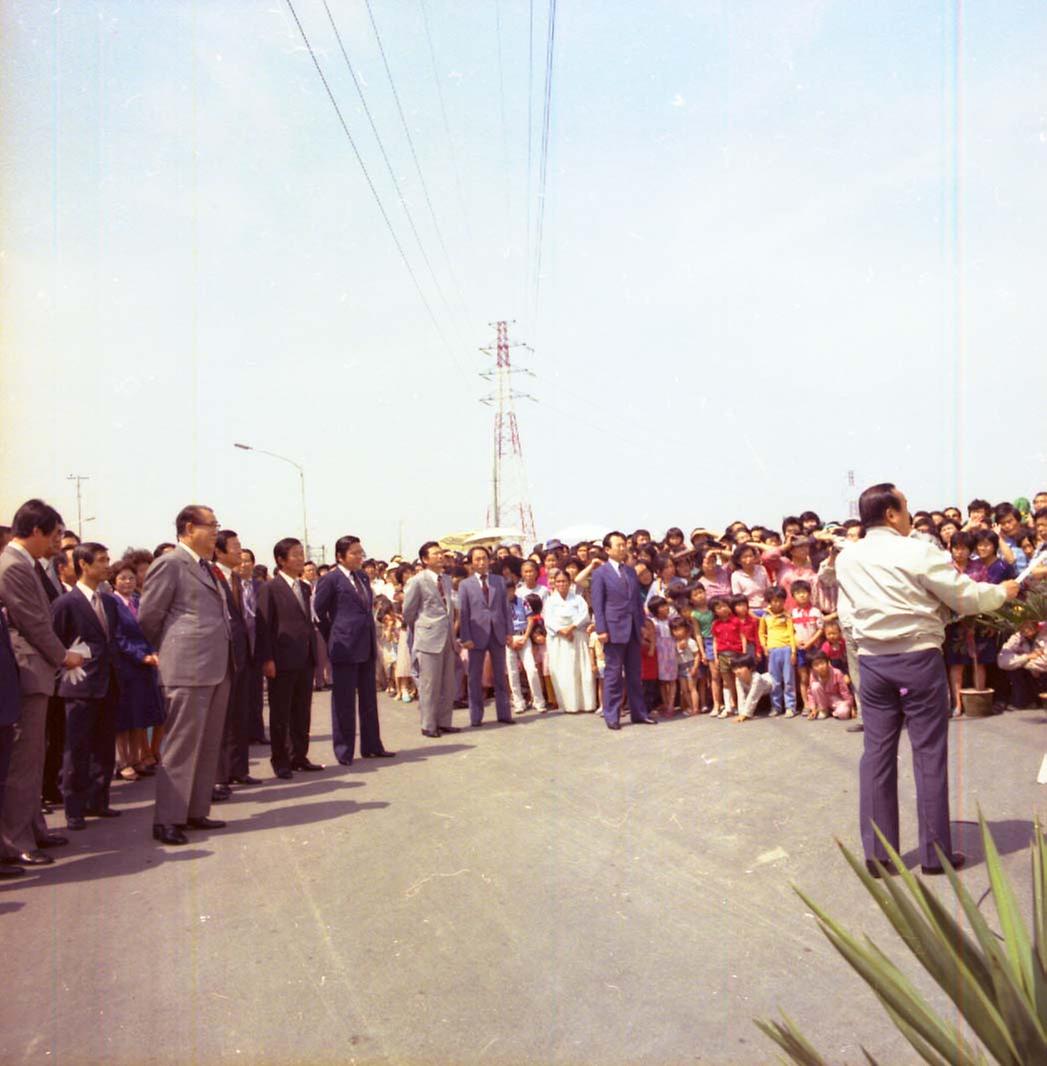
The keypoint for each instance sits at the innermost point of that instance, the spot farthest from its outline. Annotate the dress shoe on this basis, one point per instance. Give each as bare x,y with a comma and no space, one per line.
220,793
305,764
885,863
380,755
52,840
246,780
32,858
506,721
284,775
8,870
434,733
614,725
54,799
645,721
856,728
46,807
450,729
75,823
205,823
169,834
259,740
476,725
959,861
460,705
102,812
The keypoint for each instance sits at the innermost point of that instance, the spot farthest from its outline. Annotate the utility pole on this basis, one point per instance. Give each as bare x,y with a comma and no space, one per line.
852,496
510,498
78,478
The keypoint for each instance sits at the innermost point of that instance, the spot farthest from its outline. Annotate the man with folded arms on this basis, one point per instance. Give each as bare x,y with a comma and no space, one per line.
896,593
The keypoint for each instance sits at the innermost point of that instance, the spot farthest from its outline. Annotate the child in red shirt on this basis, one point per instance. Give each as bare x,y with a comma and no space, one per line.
649,668
727,649
748,628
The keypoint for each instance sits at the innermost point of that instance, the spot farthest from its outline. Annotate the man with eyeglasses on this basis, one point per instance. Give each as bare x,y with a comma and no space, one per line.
184,616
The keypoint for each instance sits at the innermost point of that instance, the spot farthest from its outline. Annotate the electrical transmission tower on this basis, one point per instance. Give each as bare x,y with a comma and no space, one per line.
510,501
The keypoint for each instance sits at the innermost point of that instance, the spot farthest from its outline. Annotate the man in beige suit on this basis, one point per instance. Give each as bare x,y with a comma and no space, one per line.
429,617
36,535
183,615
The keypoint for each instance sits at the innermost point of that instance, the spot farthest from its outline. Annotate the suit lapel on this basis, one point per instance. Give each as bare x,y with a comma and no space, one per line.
197,572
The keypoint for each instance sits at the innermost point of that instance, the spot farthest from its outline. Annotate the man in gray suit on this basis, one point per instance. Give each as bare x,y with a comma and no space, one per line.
36,535
184,616
429,617
484,627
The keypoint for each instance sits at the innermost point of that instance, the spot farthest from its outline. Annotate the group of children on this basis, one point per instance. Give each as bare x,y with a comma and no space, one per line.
718,656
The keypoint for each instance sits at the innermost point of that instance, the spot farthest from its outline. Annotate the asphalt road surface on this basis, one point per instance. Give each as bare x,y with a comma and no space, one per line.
547,893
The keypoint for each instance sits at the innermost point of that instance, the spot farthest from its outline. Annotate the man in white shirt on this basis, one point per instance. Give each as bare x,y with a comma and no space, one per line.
896,593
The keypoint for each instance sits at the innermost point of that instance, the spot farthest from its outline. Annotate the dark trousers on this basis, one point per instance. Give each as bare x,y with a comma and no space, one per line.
234,758
354,685
255,699
622,659
1025,687
910,690
7,740
496,649
54,753
290,709
90,755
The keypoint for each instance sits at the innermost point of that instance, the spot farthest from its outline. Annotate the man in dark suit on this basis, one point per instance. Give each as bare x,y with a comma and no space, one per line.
284,642
37,530
183,615
90,700
344,609
59,577
250,585
619,626
485,627
233,762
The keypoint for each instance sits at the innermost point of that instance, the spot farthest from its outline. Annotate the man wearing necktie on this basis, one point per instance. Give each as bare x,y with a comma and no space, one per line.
344,609
37,533
90,616
284,645
250,585
485,628
429,617
183,615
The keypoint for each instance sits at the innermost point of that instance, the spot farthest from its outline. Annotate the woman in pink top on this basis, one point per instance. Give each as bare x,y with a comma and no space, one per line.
715,578
749,578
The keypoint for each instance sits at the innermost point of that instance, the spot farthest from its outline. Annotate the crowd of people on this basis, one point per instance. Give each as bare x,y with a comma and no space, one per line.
160,663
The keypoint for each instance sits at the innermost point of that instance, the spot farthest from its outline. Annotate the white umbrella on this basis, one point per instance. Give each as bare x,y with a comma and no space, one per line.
495,534
582,531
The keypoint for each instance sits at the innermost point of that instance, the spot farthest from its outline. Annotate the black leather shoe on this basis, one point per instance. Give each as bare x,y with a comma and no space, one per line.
102,812
8,870
205,823
307,765
46,807
76,824
380,755
450,729
220,793
506,721
169,834
259,740
434,733
460,705
856,728
248,780
284,775
32,858
52,840
959,861
885,863
614,725
476,725
645,721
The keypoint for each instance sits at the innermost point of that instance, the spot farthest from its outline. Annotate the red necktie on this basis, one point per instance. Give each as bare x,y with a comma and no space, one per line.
440,589
487,594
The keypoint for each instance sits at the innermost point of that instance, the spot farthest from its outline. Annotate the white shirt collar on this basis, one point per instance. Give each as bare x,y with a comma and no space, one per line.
348,573
25,551
88,592
227,570
185,547
617,565
287,577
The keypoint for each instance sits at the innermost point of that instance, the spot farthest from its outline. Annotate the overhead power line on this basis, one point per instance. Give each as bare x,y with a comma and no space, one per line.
417,163
374,190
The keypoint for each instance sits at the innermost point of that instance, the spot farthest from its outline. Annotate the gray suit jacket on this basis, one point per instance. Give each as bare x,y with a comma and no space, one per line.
183,615
38,651
479,621
429,621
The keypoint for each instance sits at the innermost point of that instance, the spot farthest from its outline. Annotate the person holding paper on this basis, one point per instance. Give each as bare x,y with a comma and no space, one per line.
896,593
87,618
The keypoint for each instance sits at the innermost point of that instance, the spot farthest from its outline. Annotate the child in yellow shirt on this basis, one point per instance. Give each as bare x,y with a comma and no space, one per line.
779,638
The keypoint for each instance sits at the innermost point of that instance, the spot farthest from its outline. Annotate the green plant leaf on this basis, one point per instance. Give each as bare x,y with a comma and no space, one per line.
926,1052
789,1038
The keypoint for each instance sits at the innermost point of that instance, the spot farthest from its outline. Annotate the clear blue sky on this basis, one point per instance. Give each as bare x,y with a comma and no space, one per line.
782,240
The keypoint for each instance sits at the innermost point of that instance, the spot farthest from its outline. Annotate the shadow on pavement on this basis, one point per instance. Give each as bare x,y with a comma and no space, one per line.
132,859
1010,835
13,905
284,817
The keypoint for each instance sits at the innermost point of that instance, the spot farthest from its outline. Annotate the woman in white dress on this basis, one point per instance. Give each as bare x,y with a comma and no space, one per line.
566,617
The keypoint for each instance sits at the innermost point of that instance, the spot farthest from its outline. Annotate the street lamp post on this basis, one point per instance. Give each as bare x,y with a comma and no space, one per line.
301,479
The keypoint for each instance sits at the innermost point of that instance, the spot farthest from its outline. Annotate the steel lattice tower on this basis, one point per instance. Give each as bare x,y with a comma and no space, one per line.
510,498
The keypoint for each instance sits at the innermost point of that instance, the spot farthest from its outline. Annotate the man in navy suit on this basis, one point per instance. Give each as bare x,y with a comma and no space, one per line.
343,606
485,627
90,616
619,626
